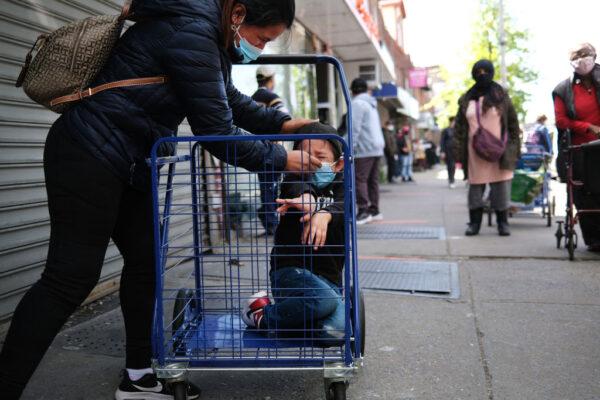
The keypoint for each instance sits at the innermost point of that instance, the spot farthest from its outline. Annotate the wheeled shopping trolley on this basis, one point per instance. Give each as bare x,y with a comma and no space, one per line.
203,283
581,173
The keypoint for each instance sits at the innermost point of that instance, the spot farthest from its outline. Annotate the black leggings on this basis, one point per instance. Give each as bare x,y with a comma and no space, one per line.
88,205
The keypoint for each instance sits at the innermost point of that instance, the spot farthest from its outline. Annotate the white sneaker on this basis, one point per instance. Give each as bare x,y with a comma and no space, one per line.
253,310
376,217
452,186
363,218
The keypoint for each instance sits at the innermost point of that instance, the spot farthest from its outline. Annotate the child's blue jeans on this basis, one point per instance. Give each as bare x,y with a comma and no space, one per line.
305,303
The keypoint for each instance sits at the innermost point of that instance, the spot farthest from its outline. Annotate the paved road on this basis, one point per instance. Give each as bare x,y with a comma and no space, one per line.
527,324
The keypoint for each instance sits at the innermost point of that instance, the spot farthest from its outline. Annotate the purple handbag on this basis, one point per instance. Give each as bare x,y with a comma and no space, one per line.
485,144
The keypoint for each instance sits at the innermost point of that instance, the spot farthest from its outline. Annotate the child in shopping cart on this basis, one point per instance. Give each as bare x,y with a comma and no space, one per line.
307,258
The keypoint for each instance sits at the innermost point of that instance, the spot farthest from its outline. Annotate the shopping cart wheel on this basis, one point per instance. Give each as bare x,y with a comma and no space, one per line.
571,244
361,321
181,313
336,391
180,390
559,233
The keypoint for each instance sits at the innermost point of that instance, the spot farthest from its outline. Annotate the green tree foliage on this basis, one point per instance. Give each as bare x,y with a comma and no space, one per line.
485,43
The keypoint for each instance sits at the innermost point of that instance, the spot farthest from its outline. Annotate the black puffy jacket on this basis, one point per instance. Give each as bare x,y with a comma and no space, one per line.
182,40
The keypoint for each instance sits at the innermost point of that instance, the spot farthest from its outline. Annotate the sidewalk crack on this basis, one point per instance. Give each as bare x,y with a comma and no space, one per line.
480,335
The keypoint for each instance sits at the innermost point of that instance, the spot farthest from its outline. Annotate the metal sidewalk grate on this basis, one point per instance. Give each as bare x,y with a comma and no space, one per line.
414,277
382,231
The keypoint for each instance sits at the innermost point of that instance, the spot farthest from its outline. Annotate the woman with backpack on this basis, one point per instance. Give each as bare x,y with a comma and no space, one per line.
98,183
487,143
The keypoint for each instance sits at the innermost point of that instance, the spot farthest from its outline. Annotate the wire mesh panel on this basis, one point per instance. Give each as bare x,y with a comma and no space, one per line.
269,278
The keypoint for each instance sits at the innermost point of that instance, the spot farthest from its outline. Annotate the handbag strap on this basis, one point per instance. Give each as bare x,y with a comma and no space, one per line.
111,85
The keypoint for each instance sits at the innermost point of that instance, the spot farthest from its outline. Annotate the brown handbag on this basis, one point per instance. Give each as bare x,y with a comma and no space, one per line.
485,144
68,59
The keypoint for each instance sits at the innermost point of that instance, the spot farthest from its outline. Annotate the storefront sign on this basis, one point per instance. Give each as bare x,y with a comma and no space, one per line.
417,78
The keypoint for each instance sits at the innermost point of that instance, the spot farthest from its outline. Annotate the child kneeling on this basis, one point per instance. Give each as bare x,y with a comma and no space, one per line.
307,258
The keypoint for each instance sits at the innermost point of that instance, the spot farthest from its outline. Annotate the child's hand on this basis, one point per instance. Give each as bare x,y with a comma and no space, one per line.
305,203
315,228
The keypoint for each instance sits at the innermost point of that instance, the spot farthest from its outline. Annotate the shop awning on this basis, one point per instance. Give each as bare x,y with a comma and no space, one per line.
339,24
399,98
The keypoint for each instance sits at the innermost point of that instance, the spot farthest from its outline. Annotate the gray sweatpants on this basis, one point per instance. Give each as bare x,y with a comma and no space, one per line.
499,195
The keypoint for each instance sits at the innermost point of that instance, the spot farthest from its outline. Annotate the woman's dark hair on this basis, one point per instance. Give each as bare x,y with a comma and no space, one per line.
258,13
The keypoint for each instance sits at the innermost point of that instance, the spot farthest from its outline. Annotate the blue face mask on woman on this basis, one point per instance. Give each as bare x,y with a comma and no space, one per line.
324,176
245,49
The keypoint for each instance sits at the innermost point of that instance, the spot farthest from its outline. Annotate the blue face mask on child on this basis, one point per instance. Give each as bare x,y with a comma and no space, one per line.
245,49
324,176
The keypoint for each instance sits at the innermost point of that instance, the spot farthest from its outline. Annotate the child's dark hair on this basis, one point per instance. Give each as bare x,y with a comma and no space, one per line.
317,127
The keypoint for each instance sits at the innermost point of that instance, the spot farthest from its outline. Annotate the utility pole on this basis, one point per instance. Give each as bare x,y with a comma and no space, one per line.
502,34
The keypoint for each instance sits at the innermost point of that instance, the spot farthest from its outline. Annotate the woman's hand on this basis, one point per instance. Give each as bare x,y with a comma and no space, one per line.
300,161
594,129
315,228
292,125
305,203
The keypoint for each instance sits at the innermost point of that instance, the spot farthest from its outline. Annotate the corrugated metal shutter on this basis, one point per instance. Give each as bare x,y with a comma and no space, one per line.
24,222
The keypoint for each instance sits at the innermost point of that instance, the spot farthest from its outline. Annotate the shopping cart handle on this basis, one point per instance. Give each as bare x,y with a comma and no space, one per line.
286,59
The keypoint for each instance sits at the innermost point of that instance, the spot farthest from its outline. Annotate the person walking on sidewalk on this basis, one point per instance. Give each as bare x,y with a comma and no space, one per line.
405,146
577,110
391,151
98,182
368,149
265,95
487,106
447,151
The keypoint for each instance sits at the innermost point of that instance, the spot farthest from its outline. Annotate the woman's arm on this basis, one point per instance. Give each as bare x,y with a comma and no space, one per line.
193,63
564,122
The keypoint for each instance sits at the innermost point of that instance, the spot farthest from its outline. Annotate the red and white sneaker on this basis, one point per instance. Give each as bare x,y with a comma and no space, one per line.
253,311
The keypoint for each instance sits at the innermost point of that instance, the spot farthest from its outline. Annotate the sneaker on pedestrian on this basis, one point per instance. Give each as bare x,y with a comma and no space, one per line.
452,185
363,217
410,179
254,309
149,387
376,217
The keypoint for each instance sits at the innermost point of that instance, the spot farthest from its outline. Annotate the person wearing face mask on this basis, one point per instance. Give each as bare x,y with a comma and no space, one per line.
98,183
390,151
307,258
487,105
577,112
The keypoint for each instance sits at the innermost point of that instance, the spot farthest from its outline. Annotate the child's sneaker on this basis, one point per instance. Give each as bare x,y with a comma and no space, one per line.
254,309
149,387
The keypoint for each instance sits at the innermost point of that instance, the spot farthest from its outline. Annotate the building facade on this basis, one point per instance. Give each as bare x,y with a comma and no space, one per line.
354,31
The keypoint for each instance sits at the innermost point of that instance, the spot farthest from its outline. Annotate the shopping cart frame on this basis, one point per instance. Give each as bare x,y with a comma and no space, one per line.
567,229
336,374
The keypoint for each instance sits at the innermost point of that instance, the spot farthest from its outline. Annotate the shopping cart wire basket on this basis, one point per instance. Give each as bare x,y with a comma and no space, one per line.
202,286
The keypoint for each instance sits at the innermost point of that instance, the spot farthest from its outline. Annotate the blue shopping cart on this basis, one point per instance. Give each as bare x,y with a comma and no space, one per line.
534,163
202,285
531,185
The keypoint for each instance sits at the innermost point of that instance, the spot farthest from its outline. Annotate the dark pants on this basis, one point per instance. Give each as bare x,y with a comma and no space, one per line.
588,196
451,167
88,205
268,193
367,184
391,168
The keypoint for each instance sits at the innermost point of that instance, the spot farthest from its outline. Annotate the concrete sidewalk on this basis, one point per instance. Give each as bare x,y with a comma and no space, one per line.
527,324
